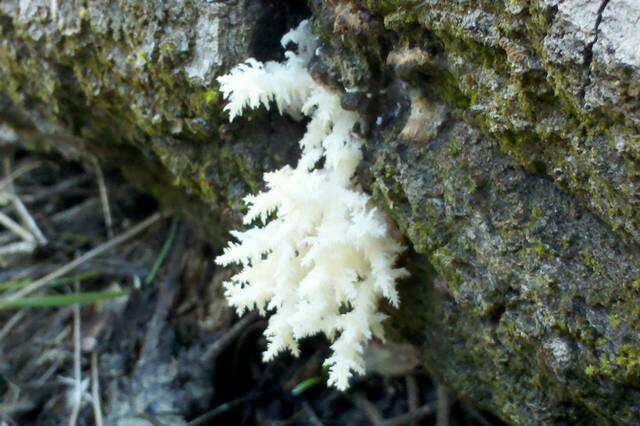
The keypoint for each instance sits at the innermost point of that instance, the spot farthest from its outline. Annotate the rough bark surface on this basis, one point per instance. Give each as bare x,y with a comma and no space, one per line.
504,140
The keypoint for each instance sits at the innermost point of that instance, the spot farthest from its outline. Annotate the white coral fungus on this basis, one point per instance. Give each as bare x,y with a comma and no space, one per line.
323,256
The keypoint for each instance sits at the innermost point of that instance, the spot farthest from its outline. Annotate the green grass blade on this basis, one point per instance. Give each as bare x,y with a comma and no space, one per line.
60,300
306,385
164,251
83,276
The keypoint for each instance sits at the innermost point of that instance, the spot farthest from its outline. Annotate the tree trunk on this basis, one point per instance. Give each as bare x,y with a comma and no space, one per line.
503,139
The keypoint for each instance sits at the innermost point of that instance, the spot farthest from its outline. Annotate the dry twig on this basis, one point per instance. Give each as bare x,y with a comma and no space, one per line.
419,414
97,251
104,198
28,220
95,389
6,329
220,409
19,247
66,186
227,338
368,408
25,168
412,396
14,227
313,417
443,406
77,368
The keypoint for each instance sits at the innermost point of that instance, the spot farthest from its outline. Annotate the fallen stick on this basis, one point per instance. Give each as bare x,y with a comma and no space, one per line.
97,251
14,227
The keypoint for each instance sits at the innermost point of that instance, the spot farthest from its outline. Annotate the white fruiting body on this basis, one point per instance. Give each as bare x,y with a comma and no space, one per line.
321,257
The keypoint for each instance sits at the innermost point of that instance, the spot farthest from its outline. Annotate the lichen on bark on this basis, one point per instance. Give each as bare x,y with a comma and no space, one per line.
503,138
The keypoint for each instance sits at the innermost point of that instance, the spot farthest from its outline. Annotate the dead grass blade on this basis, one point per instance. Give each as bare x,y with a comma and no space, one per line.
97,251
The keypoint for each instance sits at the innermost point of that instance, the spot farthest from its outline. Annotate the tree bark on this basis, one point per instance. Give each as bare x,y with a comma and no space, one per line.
503,139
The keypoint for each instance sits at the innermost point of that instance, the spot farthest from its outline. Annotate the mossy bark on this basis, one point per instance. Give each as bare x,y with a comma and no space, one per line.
503,137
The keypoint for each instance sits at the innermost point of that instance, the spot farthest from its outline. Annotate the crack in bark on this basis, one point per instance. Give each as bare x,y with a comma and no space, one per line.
588,51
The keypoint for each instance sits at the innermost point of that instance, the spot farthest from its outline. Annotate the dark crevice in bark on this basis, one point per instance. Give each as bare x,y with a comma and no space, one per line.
588,52
279,16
